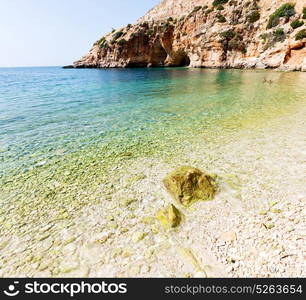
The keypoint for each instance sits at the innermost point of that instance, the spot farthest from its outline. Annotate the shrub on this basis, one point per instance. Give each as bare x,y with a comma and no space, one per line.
235,40
144,24
122,42
117,35
164,26
220,7
221,18
103,43
271,38
150,32
104,46
279,35
170,19
229,34
189,15
233,3
208,12
236,44
286,10
254,5
301,35
296,23
304,13
218,2
253,16
197,8
265,36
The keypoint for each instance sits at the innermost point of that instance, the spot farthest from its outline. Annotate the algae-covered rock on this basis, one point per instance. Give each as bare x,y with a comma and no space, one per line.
269,225
188,184
169,217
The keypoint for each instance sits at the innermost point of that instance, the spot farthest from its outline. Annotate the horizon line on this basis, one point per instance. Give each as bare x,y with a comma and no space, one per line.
40,66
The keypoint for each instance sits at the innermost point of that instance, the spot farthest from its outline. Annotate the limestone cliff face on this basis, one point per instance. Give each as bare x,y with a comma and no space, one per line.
208,33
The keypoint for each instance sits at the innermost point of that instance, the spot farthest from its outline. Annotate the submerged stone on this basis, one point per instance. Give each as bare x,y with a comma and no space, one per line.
138,236
187,185
169,217
269,225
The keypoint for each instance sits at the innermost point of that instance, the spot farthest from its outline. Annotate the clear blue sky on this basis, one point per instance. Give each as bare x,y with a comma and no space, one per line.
57,32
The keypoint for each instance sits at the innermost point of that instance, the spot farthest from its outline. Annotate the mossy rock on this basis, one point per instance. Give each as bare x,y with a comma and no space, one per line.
169,217
188,185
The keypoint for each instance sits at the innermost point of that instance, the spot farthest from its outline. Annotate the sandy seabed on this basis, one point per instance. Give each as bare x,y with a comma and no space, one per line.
255,226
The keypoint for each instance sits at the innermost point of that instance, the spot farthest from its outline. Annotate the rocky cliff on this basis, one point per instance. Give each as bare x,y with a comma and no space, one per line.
208,33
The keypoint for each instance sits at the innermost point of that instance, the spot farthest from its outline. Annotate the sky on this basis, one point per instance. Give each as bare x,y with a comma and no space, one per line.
58,32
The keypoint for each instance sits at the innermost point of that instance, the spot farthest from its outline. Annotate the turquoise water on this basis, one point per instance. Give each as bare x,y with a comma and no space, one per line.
70,138
50,112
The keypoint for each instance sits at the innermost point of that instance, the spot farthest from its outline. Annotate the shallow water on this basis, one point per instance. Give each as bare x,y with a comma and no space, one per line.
49,112
83,154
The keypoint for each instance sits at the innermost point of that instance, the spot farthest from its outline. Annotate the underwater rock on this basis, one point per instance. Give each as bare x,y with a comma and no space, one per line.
169,217
187,185
138,236
268,225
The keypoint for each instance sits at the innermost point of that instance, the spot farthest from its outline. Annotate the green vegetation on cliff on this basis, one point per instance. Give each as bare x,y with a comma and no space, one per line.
301,35
219,2
286,10
234,40
221,18
253,16
297,23
271,38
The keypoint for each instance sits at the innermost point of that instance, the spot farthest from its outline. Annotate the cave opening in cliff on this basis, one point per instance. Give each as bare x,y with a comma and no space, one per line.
185,62
182,59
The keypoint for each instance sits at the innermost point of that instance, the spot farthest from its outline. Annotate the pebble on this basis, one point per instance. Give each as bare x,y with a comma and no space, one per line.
138,236
229,236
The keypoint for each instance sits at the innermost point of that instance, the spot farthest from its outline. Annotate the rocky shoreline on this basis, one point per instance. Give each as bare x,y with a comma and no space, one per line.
209,34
